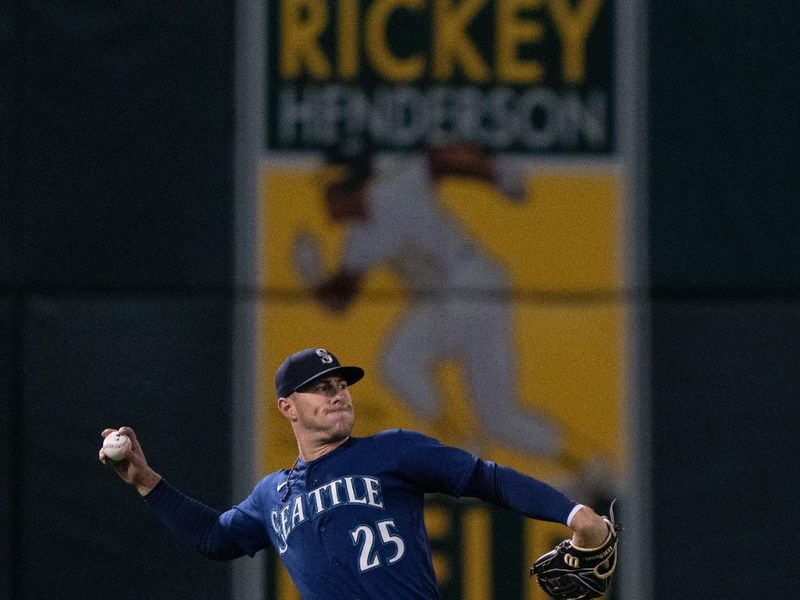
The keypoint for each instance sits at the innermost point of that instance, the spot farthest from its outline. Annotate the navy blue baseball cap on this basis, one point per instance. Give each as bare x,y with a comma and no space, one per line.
308,365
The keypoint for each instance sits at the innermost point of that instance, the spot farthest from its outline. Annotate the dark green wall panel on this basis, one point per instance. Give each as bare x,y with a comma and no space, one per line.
725,276
160,366
116,128
121,161
8,411
8,65
725,388
723,133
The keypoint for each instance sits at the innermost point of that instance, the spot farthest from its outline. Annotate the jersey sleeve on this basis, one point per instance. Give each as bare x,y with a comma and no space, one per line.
503,486
244,524
432,466
436,468
218,535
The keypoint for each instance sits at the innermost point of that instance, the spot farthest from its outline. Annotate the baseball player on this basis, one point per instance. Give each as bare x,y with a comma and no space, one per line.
347,517
394,219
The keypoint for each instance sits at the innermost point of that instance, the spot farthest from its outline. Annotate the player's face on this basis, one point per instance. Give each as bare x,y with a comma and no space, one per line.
324,409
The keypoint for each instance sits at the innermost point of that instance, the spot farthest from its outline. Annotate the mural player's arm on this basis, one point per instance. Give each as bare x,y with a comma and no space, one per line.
346,203
337,292
463,159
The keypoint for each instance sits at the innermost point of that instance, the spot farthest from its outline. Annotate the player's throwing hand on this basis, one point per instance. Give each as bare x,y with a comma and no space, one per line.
133,467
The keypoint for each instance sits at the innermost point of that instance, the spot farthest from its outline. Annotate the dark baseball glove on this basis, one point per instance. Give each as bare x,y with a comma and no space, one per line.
569,572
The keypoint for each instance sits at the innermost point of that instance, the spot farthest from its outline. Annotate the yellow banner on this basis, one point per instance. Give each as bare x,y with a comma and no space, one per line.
488,315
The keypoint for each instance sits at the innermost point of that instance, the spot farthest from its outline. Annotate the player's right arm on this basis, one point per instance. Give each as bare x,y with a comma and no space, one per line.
218,535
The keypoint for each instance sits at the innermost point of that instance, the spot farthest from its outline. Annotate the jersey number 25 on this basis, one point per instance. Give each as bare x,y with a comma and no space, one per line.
368,557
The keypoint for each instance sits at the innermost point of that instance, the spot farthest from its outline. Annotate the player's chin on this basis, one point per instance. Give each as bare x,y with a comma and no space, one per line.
342,423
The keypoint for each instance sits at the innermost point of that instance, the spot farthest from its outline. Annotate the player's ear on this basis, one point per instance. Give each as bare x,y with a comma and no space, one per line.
286,408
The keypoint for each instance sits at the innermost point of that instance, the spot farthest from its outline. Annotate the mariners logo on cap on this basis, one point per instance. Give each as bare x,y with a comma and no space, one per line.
324,355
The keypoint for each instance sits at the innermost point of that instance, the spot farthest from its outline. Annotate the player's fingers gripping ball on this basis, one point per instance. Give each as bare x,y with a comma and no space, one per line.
569,572
116,446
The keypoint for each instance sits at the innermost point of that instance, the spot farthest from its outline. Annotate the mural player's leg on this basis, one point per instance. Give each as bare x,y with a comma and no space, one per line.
487,348
409,356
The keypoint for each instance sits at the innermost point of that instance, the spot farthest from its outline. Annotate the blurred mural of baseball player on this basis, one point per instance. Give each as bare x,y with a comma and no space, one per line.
459,305
347,517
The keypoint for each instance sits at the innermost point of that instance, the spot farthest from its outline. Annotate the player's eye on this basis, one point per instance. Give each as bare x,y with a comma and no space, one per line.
326,387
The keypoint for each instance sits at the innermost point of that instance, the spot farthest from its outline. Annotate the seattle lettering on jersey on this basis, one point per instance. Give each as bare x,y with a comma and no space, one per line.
365,491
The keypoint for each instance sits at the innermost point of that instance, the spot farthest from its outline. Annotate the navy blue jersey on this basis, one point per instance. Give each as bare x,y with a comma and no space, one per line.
350,523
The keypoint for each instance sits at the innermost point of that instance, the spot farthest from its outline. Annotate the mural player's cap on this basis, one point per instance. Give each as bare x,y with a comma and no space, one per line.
308,365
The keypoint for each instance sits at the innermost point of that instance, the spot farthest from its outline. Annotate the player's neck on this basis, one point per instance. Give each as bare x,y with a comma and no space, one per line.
311,451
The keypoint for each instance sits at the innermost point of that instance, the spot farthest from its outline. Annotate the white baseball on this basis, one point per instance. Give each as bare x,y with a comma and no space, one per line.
116,445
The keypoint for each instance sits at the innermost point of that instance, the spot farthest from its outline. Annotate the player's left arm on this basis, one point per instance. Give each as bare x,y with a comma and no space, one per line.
536,499
437,468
